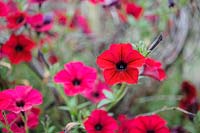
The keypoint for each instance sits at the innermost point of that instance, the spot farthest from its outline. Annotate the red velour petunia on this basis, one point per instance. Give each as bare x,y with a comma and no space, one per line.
149,124
134,10
154,69
3,9
100,122
5,100
125,124
18,48
76,78
17,124
120,64
16,19
96,94
189,90
23,98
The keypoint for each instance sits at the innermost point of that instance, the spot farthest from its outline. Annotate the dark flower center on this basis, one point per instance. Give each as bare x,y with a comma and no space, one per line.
20,19
98,127
20,103
19,48
96,94
76,82
121,65
20,123
150,131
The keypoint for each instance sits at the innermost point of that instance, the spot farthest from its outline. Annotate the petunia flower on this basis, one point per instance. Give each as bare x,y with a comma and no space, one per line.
41,22
16,123
120,64
96,1
16,20
80,22
23,98
18,48
135,10
3,9
124,124
189,101
76,78
100,122
149,124
5,100
95,94
153,69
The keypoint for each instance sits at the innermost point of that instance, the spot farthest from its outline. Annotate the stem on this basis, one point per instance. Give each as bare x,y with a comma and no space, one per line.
120,94
6,121
165,108
24,119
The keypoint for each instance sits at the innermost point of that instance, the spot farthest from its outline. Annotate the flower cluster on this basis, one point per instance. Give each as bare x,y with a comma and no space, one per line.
100,121
18,108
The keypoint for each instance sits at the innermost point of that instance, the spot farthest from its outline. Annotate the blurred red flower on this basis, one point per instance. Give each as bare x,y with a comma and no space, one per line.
135,10
37,1
100,122
17,124
16,20
76,78
18,48
23,98
96,1
149,124
79,21
96,94
154,69
189,101
41,22
120,64
3,9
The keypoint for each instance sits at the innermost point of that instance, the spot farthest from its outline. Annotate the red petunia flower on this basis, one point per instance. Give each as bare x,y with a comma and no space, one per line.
100,122
17,124
96,94
23,98
76,78
125,124
134,10
153,69
41,22
3,9
189,90
16,20
120,64
189,101
149,124
18,48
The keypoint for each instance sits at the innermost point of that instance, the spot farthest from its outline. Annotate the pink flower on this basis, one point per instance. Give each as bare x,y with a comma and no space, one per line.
81,22
37,1
5,100
125,124
154,69
76,78
23,98
3,9
96,93
41,22
17,124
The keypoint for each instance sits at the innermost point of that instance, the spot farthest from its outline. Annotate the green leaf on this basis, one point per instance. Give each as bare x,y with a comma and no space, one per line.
109,94
103,102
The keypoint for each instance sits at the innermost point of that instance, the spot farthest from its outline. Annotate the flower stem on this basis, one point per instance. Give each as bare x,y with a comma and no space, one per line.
165,108
6,121
120,94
